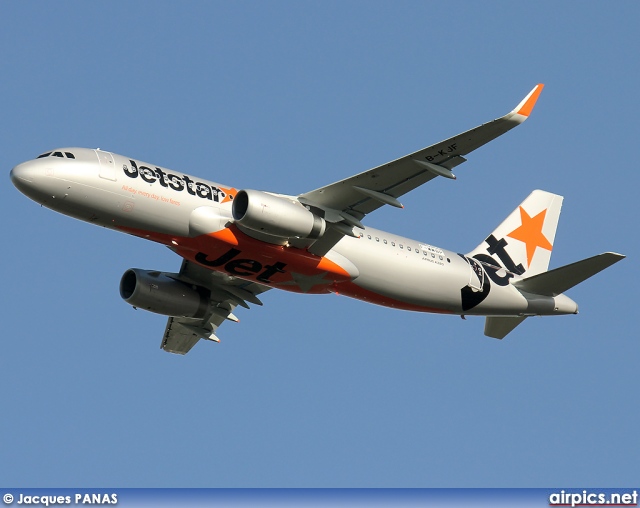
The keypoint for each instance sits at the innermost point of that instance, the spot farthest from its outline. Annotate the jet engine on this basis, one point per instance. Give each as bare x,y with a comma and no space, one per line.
276,215
158,292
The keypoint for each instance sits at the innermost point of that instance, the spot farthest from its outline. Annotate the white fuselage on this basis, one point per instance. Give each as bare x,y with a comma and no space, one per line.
160,204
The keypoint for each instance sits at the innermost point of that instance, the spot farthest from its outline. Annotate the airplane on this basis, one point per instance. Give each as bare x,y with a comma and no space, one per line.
237,244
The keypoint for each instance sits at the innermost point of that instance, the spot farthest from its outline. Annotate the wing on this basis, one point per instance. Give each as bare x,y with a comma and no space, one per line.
227,292
363,193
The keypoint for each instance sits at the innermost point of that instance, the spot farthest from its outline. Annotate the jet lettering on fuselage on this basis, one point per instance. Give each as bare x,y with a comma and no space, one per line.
241,267
473,296
488,268
174,182
498,247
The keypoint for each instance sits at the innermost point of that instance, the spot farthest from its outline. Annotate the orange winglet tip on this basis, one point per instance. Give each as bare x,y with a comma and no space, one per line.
526,106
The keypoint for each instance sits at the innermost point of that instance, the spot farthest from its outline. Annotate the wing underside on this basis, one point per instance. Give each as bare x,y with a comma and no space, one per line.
227,292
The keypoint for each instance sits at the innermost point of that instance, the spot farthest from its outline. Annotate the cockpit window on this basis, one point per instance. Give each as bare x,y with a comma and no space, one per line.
68,155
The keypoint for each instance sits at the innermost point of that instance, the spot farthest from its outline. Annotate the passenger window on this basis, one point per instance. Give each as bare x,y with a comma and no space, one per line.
408,248
377,239
393,244
369,237
385,242
400,245
70,155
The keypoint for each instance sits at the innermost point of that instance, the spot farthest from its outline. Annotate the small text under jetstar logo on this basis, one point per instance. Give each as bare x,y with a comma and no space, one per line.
588,498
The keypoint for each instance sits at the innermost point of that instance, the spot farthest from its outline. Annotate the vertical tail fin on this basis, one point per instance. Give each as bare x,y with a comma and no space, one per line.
522,244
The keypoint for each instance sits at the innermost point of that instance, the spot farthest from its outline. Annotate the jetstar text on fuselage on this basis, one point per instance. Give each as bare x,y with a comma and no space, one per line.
176,183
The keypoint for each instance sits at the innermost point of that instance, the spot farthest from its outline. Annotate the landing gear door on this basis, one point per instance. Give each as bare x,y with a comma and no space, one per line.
107,165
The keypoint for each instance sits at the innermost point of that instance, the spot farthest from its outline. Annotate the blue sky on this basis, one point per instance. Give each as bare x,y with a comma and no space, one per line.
321,391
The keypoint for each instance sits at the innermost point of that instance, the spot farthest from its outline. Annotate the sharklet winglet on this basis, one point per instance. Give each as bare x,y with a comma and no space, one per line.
526,105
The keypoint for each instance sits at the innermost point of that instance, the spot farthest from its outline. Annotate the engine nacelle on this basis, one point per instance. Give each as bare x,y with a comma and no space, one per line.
275,215
156,292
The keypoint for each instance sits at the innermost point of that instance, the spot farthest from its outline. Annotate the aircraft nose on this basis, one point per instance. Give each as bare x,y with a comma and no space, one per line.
28,179
22,176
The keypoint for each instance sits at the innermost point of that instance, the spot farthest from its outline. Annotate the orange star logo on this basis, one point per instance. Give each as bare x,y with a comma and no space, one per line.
530,233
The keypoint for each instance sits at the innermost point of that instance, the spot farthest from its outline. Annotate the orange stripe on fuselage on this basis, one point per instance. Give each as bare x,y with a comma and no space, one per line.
224,242
235,253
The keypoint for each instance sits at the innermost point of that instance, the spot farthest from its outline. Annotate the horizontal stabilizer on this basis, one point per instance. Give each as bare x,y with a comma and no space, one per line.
499,327
559,280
